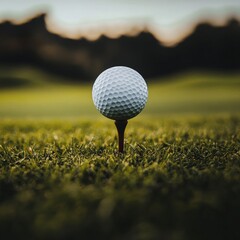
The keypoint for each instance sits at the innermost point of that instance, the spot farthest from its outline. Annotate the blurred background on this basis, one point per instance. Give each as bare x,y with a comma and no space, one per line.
52,51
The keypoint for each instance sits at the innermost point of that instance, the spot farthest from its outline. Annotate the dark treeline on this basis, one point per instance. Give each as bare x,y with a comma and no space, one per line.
206,48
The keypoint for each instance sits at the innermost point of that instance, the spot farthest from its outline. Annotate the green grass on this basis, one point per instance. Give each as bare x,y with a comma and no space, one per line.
61,176
188,93
179,179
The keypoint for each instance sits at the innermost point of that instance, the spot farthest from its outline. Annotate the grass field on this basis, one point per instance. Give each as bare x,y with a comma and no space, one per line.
61,176
189,93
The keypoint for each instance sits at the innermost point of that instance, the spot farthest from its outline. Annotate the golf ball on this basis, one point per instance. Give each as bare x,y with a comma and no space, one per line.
120,93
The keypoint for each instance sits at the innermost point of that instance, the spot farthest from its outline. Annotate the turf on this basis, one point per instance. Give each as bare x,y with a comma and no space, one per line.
179,179
46,96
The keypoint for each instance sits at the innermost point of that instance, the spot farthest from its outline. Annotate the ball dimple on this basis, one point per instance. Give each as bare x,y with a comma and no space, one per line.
120,93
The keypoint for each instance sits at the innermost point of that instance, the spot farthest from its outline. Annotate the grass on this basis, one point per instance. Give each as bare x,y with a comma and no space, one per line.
179,179
188,93
61,176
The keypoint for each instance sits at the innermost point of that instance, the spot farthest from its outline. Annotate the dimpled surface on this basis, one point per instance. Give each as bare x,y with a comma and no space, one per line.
120,93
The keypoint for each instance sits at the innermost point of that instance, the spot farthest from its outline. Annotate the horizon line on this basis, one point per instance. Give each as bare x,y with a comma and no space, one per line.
130,30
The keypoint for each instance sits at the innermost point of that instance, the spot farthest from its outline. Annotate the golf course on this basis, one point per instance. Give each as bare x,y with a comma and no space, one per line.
61,176
41,95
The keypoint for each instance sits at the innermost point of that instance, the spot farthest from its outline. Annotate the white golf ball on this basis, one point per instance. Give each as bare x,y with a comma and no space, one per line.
120,93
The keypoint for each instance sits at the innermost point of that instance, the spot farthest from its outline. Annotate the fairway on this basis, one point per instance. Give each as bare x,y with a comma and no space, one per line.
61,176
187,93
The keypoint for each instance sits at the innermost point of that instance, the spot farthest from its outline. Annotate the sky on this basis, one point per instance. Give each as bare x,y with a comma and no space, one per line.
169,20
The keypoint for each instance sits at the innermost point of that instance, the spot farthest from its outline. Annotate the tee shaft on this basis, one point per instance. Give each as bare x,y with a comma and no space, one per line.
121,126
